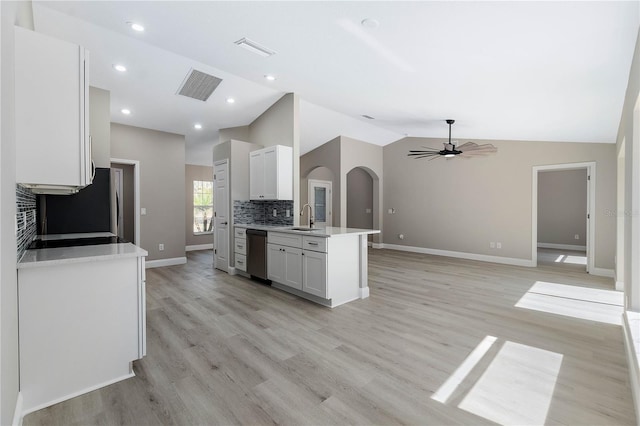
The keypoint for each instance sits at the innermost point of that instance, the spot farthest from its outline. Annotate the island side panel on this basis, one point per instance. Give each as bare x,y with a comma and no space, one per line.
364,266
343,269
78,328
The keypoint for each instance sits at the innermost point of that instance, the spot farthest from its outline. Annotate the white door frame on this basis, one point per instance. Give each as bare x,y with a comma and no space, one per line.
228,269
591,208
329,201
136,194
119,176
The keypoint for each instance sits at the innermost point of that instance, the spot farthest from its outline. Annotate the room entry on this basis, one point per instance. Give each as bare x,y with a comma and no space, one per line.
320,201
562,223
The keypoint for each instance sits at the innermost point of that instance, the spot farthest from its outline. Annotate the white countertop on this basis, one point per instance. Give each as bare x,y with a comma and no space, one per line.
328,231
59,255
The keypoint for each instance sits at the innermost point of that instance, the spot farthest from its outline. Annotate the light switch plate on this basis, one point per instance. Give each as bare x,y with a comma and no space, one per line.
143,211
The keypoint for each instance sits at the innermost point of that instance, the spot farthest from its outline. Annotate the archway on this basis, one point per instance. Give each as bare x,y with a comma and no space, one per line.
363,199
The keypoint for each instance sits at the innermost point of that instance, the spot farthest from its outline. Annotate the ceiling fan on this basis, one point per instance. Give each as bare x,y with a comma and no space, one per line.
466,150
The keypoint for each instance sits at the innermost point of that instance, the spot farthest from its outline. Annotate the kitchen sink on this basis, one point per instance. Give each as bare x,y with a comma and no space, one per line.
300,228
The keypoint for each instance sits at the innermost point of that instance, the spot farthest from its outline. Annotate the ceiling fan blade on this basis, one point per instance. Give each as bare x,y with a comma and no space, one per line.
467,146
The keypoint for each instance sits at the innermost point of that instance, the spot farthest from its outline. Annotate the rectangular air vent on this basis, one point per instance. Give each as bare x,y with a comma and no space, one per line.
198,85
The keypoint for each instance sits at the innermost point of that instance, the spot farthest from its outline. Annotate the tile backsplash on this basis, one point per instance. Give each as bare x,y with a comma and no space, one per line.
261,212
25,218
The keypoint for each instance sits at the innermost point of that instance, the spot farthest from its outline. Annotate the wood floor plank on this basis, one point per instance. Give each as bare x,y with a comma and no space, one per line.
224,350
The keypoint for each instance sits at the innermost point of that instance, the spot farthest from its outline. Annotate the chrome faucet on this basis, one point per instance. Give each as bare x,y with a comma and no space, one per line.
310,214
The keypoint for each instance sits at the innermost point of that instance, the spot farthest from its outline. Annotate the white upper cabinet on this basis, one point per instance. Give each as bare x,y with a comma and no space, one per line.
271,173
53,147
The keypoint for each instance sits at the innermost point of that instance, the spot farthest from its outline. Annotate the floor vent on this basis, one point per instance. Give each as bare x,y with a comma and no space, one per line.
198,85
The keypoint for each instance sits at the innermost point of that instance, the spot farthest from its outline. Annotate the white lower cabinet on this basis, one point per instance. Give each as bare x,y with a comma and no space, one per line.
314,273
284,265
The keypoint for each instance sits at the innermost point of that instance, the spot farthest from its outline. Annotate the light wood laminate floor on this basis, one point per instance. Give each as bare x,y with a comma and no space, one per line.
439,341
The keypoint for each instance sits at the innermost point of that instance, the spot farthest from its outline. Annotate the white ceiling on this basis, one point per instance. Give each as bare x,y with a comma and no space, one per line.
542,71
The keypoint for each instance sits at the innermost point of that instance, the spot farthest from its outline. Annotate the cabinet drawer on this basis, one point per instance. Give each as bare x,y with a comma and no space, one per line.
241,262
282,238
240,246
314,243
240,232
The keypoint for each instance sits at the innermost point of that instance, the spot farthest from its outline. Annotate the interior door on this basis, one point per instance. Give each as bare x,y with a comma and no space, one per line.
320,201
221,215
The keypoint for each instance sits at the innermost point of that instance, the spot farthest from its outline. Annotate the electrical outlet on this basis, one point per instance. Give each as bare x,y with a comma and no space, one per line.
499,245
275,213
288,212
161,247
492,245
143,211
33,216
392,211
368,211
401,236
577,236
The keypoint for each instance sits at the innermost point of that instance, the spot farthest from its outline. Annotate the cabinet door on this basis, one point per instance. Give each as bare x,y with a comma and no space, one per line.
293,268
276,263
314,270
51,111
271,174
256,175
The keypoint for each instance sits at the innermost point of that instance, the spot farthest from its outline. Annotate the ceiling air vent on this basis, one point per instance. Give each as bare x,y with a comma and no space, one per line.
254,47
198,85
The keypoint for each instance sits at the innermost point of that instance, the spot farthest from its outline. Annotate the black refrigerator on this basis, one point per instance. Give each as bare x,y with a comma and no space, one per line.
89,210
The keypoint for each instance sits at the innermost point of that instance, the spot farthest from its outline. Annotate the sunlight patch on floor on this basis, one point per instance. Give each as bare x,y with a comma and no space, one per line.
446,390
517,387
574,301
574,260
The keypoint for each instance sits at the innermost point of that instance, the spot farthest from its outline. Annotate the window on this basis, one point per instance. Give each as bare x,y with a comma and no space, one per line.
202,207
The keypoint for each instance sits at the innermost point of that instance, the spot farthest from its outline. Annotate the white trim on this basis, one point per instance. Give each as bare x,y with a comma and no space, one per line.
199,247
591,208
461,255
377,245
364,292
602,272
78,393
165,262
562,246
18,416
620,285
136,195
231,270
632,361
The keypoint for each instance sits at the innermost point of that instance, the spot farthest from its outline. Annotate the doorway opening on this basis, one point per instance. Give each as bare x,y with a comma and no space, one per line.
125,195
563,228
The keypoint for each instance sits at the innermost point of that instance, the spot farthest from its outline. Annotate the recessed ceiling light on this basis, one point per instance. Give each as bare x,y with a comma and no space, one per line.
370,23
136,27
119,67
125,111
230,100
197,126
270,77
254,47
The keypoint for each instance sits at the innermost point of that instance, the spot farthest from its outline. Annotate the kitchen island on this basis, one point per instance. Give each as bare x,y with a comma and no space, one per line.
326,265
81,318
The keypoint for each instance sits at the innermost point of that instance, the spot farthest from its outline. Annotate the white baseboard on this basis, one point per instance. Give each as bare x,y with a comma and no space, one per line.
231,270
17,413
462,255
633,361
619,286
199,247
562,246
165,262
369,244
364,292
377,245
602,272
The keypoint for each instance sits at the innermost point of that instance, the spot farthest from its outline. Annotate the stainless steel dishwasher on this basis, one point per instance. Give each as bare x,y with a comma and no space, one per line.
257,253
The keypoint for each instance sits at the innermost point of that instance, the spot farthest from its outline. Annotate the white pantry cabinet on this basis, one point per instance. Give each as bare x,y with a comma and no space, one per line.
271,173
53,146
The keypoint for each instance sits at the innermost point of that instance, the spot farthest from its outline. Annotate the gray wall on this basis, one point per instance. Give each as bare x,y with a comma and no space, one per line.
359,199
11,13
326,155
192,173
562,207
162,176
240,133
463,204
100,126
631,214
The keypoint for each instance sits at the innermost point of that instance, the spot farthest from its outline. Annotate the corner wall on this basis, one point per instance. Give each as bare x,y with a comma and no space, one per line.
162,177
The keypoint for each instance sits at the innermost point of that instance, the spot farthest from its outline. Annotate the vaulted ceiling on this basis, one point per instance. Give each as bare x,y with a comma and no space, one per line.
540,71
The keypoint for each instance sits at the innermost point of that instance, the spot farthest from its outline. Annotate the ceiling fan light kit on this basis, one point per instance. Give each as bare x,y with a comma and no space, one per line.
466,150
